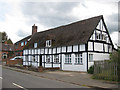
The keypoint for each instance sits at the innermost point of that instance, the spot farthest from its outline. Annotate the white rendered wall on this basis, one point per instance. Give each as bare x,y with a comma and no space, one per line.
63,49
69,49
73,67
75,48
90,46
58,50
82,47
98,46
98,57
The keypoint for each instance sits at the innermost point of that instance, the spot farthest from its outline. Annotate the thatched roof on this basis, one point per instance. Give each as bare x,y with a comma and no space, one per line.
71,34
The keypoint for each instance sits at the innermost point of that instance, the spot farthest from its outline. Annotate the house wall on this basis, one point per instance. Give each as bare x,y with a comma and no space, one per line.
30,53
98,57
73,66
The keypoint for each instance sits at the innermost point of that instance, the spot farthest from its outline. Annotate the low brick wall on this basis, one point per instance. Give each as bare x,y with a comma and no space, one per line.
13,62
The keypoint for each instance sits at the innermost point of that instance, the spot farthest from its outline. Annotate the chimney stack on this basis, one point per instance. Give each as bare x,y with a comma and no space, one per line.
34,29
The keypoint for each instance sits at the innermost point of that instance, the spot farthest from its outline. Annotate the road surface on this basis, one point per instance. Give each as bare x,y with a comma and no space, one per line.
14,79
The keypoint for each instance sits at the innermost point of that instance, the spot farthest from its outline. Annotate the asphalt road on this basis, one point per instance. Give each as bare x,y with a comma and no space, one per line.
14,79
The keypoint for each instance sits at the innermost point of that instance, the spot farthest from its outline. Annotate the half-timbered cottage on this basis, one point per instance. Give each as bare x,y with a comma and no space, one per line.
72,47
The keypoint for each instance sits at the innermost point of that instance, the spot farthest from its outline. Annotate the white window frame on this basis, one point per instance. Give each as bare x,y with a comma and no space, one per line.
68,59
90,55
48,43
35,45
56,58
78,59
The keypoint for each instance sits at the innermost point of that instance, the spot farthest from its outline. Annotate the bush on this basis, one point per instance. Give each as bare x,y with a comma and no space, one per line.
91,70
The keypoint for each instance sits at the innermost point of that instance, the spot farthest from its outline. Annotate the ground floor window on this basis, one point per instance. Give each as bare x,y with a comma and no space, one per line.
90,57
68,58
33,58
48,59
56,58
78,59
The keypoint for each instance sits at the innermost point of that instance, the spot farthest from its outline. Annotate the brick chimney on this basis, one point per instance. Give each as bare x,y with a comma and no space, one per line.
34,29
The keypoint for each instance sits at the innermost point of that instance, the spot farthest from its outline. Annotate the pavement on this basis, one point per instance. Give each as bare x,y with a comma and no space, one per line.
77,78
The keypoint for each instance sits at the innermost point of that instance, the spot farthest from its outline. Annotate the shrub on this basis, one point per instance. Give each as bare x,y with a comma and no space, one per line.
91,70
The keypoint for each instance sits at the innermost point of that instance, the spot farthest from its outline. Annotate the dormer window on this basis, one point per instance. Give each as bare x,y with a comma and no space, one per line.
48,43
35,45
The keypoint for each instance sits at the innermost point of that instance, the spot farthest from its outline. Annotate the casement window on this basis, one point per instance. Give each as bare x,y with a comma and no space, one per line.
98,37
35,45
48,59
68,59
22,43
78,59
56,58
104,37
48,43
90,57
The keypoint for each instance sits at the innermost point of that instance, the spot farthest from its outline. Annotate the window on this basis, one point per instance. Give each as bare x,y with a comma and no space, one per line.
78,59
22,43
104,37
90,57
25,42
98,36
47,59
48,43
56,58
35,45
68,58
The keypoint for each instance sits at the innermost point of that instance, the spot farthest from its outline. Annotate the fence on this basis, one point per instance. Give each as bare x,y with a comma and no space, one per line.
105,70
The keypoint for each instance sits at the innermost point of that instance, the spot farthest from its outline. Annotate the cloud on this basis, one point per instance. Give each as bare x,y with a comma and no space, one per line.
49,14
19,16
21,33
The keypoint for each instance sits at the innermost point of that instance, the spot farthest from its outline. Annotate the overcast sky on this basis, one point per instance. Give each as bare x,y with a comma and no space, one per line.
18,16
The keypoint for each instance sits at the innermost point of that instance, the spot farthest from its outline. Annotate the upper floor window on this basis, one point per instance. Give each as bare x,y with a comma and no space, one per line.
78,59
48,43
25,42
35,45
98,36
22,43
68,58
56,58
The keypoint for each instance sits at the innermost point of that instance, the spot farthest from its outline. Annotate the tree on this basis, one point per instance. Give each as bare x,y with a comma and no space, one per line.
3,37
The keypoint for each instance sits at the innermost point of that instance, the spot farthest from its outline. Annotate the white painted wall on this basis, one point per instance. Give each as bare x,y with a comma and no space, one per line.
75,48
69,49
90,46
63,49
97,57
58,50
98,46
73,67
82,47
